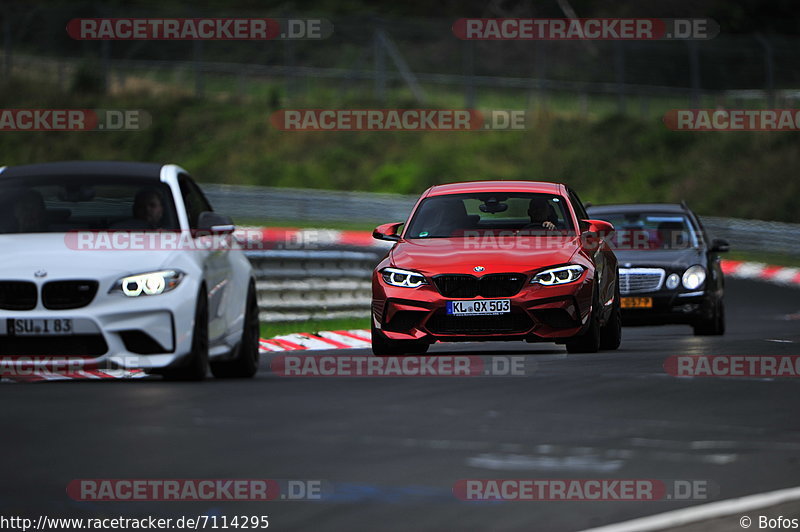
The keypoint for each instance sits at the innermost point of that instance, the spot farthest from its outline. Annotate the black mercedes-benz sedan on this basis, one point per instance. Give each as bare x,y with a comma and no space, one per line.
669,270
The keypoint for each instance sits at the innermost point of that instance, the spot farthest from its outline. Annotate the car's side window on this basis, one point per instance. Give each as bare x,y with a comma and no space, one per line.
193,199
699,229
580,211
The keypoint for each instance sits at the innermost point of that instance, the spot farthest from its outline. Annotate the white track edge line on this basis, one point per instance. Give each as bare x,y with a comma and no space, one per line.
704,512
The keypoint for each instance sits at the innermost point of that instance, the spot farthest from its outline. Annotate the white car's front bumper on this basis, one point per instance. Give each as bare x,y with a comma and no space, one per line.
113,331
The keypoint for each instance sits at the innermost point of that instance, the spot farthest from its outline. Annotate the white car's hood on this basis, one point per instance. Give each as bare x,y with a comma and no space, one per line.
25,254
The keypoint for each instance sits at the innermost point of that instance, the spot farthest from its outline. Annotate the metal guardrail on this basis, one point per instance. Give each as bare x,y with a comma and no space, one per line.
298,285
309,204
755,235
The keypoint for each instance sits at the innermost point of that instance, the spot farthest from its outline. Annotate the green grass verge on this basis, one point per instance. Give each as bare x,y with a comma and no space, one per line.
269,330
607,158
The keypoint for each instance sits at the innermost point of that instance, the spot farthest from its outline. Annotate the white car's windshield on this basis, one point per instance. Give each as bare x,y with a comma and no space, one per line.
465,215
52,204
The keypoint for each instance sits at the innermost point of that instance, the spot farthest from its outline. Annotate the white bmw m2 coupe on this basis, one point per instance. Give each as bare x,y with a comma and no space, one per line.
122,265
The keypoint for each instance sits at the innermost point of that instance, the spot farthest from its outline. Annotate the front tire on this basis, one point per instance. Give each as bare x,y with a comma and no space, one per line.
245,365
589,341
611,333
713,326
197,366
385,347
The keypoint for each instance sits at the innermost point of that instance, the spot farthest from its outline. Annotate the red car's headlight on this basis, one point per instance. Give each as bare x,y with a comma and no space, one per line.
403,278
559,275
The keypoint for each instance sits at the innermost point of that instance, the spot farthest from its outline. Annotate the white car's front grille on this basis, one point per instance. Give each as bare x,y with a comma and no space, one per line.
640,280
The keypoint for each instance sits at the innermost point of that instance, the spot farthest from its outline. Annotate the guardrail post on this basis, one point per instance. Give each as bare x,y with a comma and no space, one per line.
769,68
402,66
197,50
105,53
379,67
584,104
694,68
540,71
468,50
619,68
8,41
290,60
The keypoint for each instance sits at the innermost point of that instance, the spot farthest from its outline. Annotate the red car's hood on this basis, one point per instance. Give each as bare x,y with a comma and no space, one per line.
458,255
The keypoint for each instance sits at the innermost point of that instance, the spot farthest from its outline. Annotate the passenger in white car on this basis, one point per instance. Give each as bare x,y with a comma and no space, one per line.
148,207
30,213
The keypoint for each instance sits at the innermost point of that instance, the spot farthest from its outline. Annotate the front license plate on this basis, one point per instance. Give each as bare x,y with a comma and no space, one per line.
39,327
479,307
636,302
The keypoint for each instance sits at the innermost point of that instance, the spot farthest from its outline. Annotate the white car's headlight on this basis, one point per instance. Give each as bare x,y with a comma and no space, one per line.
693,277
560,275
148,284
404,278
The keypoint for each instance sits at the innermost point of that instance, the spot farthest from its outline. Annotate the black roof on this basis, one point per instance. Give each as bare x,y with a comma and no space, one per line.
85,168
637,207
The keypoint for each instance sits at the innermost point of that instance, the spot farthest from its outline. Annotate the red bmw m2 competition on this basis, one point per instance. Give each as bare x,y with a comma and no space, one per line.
496,260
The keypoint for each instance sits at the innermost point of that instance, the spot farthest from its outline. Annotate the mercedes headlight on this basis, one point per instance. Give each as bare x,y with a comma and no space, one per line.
694,277
560,275
148,284
404,278
673,281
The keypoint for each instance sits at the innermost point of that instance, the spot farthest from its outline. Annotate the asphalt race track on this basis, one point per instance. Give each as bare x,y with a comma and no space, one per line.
391,449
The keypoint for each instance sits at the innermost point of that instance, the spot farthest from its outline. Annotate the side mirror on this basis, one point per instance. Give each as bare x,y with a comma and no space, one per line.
215,223
602,228
595,231
719,245
387,232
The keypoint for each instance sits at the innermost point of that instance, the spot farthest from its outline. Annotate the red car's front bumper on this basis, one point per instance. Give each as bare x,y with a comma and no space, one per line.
538,313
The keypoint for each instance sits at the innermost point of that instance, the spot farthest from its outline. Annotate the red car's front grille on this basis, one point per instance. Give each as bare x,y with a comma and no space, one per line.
493,285
514,322
457,285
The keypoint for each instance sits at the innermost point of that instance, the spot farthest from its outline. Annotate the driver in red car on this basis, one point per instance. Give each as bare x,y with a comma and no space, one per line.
541,214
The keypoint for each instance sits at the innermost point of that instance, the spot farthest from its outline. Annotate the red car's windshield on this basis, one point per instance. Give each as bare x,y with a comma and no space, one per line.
459,215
